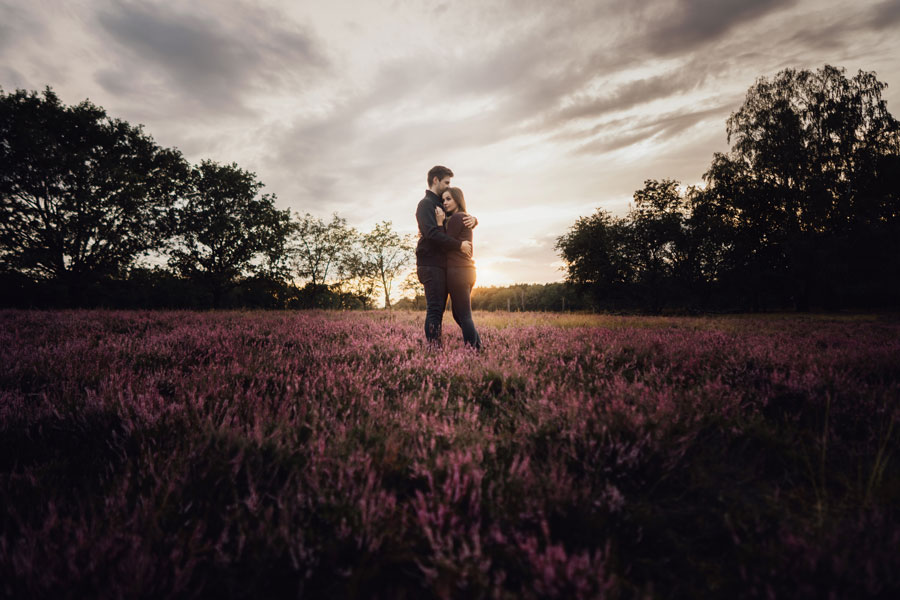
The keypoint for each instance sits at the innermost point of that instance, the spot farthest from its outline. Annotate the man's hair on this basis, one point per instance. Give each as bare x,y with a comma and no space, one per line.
457,195
439,172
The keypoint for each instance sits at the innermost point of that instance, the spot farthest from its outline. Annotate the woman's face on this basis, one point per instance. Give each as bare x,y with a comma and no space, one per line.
450,206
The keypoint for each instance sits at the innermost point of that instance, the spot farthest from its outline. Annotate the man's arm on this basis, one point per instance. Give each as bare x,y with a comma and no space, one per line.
469,221
429,229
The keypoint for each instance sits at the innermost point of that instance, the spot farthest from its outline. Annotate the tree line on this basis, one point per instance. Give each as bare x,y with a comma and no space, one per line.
93,212
802,212
520,297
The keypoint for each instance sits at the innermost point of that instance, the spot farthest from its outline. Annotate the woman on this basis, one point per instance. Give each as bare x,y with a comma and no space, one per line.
460,268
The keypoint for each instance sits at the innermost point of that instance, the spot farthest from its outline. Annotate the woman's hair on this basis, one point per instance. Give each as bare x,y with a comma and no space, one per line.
457,195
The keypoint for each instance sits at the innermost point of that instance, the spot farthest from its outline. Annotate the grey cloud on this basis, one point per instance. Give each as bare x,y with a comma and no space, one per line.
631,94
885,14
619,140
303,148
119,83
695,22
529,60
11,77
825,37
523,73
15,23
663,128
210,59
828,33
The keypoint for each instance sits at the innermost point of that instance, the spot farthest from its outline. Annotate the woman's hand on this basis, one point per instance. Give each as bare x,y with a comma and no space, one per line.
439,215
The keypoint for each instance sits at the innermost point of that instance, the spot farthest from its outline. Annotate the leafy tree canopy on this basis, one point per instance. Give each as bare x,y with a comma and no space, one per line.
82,195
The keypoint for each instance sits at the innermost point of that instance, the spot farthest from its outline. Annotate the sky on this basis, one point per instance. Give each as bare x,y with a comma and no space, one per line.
545,111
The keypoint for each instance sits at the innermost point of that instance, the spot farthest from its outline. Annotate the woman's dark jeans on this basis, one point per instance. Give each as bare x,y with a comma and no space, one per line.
435,281
460,281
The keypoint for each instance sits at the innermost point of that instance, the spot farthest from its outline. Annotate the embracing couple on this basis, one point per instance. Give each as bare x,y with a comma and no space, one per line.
444,256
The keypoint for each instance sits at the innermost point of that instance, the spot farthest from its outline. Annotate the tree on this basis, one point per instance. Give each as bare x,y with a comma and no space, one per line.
804,207
534,296
736,236
658,240
813,147
82,195
412,286
385,255
356,277
316,246
646,253
595,251
224,226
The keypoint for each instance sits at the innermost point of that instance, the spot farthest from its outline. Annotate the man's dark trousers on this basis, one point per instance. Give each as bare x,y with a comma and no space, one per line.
435,281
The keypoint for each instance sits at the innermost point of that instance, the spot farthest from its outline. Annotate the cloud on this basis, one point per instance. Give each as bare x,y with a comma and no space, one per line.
211,59
692,23
15,24
823,38
885,15
534,261
441,99
12,77
659,130
639,91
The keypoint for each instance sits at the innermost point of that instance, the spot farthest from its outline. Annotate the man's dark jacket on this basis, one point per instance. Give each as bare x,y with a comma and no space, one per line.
431,251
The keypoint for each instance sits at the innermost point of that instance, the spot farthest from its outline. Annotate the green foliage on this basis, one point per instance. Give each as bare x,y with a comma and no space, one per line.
82,195
317,247
379,259
645,254
595,251
223,225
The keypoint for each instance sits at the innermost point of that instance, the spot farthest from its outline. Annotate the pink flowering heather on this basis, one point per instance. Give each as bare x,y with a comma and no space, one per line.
334,455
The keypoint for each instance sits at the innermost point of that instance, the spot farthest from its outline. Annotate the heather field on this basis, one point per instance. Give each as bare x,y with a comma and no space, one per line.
332,455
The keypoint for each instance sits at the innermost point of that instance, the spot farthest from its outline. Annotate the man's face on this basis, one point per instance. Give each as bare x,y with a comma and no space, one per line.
442,185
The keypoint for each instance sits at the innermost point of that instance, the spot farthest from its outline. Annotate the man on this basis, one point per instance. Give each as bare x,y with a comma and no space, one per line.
431,257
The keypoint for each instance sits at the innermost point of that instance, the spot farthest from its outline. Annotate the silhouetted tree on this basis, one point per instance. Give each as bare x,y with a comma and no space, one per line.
82,195
658,241
225,230
597,256
529,296
810,148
